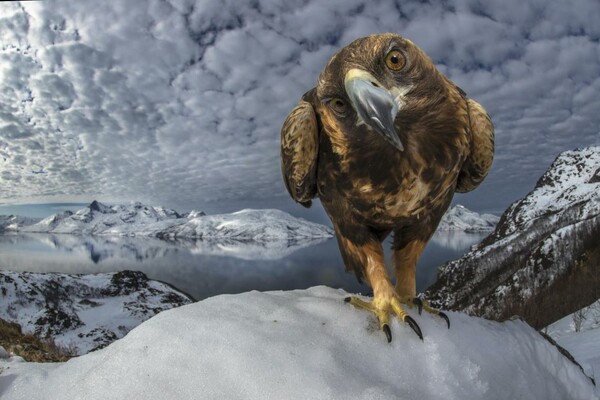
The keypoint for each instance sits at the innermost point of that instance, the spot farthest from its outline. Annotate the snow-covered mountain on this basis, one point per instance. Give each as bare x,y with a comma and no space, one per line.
541,260
248,224
13,223
141,220
305,344
83,312
459,218
100,219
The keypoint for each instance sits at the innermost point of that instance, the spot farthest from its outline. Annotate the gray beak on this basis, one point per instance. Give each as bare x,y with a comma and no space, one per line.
375,105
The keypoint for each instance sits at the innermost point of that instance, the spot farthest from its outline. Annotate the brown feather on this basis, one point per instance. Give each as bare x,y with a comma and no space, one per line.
299,153
481,156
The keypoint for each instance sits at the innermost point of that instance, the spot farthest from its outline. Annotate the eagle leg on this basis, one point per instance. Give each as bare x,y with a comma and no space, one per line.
406,256
382,314
363,252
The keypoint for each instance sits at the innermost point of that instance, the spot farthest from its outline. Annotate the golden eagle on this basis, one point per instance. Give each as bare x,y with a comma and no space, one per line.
384,140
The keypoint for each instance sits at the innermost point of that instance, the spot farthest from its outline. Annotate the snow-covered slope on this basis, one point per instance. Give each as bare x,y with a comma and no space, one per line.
462,219
13,223
141,220
541,261
83,312
583,343
305,344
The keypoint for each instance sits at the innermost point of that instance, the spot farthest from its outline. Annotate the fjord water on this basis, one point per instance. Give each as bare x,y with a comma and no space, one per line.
205,269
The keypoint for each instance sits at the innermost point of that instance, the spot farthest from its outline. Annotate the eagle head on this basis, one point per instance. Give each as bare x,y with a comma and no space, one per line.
374,80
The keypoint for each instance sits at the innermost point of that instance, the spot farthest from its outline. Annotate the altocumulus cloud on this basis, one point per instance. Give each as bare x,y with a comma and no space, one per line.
181,102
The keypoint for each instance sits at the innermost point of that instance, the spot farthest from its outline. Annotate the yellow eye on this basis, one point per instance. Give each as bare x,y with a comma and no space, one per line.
338,105
395,60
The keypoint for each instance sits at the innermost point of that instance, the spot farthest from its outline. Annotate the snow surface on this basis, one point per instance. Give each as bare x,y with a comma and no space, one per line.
460,218
583,345
305,344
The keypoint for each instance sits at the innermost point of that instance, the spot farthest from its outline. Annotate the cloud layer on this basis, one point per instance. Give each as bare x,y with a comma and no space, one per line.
180,102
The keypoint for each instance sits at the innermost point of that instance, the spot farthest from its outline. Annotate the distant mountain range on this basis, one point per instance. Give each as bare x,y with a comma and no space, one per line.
138,219
141,220
14,223
83,312
541,261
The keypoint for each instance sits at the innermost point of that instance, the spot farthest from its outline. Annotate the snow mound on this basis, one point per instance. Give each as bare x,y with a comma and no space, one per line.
305,344
460,218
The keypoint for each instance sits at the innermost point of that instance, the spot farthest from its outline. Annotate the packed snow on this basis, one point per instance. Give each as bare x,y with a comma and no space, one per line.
305,344
83,312
459,218
138,219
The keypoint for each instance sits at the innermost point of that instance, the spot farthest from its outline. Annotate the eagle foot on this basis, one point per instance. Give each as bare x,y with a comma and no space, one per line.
424,305
382,314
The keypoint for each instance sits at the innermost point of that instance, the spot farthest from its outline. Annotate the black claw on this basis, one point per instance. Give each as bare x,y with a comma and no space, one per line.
419,303
347,299
387,331
441,314
411,322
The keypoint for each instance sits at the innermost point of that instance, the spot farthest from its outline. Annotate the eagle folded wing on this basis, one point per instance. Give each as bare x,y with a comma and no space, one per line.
479,161
299,150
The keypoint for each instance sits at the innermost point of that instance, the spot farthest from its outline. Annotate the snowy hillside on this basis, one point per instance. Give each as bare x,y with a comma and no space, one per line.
462,219
13,223
541,261
582,342
141,220
83,312
305,344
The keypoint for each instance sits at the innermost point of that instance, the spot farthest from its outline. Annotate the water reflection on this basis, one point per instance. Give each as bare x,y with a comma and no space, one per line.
204,268
458,240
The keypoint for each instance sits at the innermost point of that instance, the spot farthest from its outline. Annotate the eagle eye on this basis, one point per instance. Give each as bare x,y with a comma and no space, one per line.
395,60
337,105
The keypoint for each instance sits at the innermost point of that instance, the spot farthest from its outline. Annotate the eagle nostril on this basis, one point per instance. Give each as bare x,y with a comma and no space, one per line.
375,84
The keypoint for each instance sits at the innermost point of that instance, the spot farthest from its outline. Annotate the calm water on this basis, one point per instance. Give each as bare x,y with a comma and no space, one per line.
207,269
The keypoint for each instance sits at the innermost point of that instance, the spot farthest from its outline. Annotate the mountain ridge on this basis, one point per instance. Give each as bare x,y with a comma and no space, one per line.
541,255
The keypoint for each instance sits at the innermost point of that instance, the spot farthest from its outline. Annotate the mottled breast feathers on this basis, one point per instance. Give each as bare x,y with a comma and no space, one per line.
479,161
299,153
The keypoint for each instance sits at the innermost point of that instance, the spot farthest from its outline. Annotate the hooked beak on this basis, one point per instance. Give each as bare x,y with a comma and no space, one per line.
375,105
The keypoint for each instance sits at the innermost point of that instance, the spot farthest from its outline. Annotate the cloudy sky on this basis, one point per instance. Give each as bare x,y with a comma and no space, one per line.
180,102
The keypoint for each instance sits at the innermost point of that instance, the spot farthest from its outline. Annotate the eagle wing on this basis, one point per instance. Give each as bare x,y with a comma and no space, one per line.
479,160
299,153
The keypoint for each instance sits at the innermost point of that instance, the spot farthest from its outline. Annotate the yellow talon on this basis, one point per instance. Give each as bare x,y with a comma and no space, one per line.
382,314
